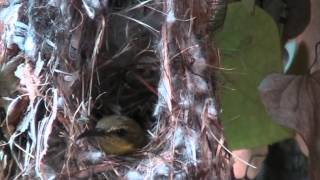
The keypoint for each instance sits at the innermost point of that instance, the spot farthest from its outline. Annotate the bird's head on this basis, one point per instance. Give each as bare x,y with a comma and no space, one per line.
117,135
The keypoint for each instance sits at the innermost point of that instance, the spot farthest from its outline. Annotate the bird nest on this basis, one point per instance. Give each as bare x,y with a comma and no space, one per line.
67,64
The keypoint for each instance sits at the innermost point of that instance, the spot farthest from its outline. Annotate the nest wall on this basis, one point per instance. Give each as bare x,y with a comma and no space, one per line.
77,61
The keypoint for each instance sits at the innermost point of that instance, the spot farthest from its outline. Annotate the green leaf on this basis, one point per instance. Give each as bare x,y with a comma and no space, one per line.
250,46
249,4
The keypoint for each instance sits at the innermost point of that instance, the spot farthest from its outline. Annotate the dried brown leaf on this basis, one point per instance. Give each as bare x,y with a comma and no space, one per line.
293,101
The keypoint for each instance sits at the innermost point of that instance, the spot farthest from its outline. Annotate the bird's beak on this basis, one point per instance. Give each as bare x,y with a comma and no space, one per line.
91,133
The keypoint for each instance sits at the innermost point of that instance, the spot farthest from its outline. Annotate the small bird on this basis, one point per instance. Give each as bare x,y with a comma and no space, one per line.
117,135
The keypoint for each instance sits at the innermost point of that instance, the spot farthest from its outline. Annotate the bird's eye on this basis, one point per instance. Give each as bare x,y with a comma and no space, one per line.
120,132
